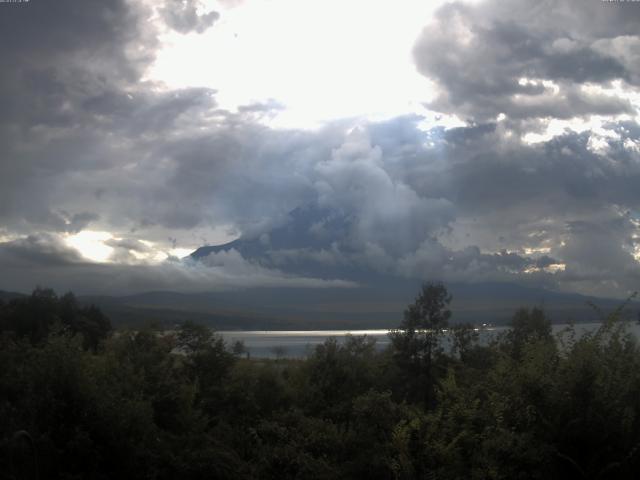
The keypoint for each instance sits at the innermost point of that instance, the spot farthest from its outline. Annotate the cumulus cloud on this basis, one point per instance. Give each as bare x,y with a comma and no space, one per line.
487,60
184,16
385,211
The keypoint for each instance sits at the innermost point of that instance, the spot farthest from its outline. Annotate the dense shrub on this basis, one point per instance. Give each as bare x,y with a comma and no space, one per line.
146,404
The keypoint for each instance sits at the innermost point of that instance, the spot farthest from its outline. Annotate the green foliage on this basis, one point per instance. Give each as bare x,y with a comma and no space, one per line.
527,326
157,405
416,344
35,317
336,373
464,338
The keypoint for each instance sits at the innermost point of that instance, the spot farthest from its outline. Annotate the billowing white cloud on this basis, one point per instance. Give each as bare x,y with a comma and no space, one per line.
386,212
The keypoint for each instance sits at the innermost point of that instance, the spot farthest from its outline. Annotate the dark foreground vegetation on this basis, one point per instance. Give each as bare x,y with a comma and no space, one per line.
78,401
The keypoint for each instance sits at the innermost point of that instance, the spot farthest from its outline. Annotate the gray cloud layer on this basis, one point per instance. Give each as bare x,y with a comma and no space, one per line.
88,144
47,261
479,53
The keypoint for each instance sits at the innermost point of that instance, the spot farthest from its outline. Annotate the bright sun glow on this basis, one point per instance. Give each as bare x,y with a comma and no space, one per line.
181,252
91,245
321,60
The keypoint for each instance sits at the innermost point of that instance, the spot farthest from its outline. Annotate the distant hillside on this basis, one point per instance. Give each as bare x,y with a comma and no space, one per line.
163,308
358,308
377,306
6,296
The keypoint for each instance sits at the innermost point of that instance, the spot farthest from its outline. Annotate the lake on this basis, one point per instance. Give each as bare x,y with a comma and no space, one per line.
300,343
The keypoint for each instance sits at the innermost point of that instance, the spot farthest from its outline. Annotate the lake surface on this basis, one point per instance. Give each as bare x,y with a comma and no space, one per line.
300,343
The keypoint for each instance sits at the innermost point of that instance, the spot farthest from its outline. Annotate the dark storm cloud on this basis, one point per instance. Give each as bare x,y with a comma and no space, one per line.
40,250
561,173
54,52
470,264
54,57
479,53
515,195
84,126
51,31
488,174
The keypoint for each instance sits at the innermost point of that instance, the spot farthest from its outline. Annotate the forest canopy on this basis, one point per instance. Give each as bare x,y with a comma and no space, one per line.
78,400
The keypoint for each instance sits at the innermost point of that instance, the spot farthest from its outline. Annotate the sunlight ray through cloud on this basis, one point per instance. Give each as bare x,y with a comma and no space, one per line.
320,60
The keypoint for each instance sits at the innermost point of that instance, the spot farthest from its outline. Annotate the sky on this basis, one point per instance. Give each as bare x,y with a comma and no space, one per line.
464,141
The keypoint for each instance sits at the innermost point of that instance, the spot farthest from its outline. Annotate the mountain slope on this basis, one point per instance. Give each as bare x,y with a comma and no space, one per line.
6,296
360,308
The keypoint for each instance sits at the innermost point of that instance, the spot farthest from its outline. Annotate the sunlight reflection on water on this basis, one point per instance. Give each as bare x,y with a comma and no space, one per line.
300,343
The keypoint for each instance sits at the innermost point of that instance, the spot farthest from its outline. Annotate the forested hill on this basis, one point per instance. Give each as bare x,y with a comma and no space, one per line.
374,306
6,296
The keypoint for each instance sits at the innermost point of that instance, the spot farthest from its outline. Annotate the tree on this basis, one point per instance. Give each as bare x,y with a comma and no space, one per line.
193,337
528,326
464,338
207,362
416,342
36,316
239,348
337,372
